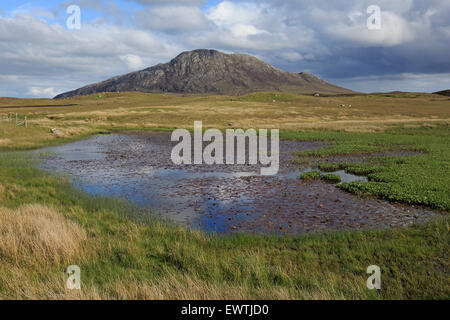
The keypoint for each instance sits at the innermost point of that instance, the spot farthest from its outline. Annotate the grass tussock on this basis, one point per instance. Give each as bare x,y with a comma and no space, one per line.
5,142
185,287
2,191
38,235
331,178
310,175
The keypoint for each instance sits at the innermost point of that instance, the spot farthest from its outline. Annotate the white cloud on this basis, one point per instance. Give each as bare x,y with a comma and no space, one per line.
253,27
445,31
172,18
42,92
227,14
133,62
291,56
36,51
245,30
327,38
394,31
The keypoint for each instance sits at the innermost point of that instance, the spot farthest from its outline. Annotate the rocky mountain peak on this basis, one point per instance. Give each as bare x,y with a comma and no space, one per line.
205,71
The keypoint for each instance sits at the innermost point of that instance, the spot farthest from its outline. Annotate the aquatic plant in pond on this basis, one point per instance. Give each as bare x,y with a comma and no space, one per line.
330,178
421,179
329,167
310,175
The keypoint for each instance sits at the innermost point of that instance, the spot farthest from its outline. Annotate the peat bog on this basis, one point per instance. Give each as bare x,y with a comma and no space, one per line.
228,199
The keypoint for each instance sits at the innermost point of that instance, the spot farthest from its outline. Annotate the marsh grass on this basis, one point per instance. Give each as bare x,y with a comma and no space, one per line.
330,178
329,167
38,235
420,179
310,175
125,253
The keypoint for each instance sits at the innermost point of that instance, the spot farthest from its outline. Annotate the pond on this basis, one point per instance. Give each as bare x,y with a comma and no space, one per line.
221,198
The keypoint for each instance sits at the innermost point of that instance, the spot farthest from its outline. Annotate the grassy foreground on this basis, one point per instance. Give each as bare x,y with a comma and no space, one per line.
47,225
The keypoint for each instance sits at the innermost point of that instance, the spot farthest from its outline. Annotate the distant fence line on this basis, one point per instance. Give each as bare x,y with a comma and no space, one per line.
14,118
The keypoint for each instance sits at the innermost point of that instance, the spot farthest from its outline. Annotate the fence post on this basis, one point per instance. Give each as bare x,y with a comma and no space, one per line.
16,119
26,125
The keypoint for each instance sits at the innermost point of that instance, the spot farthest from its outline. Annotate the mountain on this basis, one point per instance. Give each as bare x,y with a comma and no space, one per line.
443,93
211,72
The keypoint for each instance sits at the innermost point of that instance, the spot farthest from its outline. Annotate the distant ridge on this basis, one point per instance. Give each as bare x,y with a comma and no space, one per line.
443,93
211,72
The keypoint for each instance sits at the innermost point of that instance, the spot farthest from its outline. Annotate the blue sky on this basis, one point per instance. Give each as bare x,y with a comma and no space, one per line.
40,57
90,13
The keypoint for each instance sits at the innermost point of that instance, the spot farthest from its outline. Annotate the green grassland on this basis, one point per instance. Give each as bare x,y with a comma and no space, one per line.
124,254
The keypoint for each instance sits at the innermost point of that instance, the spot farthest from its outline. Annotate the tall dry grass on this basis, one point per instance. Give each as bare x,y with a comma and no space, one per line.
38,235
4,142
2,191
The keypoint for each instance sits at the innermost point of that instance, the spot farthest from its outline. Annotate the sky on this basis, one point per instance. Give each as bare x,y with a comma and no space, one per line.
406,47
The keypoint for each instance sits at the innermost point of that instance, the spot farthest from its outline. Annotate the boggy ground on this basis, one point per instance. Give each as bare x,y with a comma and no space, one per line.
225,198
124,256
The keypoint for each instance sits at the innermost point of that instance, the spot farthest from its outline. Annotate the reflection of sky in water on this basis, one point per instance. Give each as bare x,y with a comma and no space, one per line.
167,191
79,150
